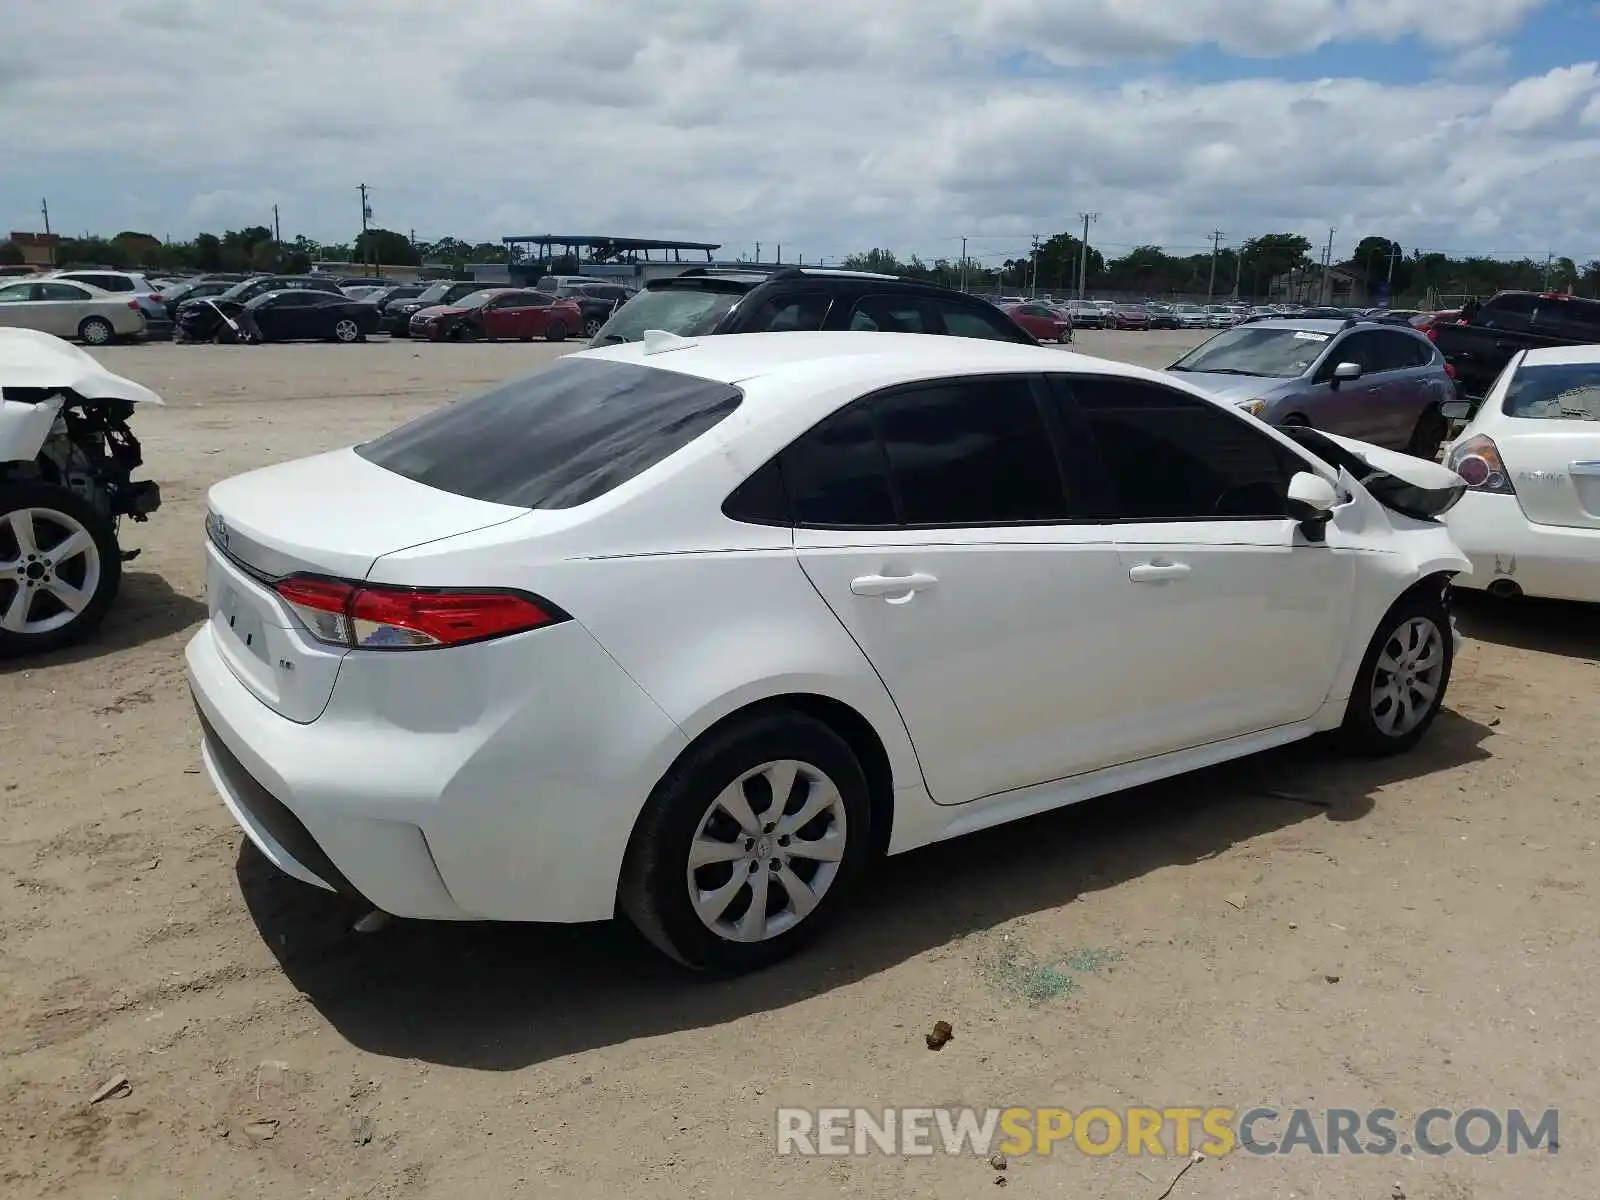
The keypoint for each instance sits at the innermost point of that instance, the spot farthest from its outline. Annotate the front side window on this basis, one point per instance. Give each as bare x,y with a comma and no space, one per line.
962,320
783,314
16,293
1169,456
888,314
61,291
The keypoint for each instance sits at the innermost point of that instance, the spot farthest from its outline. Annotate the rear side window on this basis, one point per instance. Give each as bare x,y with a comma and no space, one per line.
783,314
964,321
558,438
1514,311
967,452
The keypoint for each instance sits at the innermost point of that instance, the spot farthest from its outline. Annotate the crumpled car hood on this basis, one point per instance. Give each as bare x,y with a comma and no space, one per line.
1412,486
34,360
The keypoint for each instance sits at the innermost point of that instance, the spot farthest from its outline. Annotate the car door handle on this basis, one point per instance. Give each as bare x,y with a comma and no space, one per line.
896,588
1152,572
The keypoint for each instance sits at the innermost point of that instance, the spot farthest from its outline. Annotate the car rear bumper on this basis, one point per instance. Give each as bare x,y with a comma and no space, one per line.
1550,561
501,784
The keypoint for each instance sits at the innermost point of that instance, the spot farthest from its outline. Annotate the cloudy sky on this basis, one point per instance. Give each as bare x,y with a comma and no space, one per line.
1459,125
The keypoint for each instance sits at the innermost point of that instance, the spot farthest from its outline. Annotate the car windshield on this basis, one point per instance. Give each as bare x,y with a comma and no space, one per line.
1555,392
686,312
436,292
474,299
1254,350
238,289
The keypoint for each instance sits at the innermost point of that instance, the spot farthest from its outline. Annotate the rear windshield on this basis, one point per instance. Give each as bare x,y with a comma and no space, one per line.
1555,392
687,312
558,438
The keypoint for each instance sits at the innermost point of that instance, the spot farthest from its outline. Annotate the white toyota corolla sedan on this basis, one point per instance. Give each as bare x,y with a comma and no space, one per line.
1530,520
695,630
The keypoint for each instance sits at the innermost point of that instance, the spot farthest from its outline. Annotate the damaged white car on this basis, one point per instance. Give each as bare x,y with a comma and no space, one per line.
698,629
66,463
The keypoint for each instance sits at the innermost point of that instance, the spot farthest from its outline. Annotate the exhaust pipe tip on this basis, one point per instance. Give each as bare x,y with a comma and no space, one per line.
1505,589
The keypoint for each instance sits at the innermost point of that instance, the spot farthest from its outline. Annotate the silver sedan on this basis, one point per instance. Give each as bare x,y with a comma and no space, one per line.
70,310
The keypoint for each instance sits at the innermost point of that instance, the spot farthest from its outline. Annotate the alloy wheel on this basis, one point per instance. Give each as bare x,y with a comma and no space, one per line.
346,330
49,570
1406,679
766,851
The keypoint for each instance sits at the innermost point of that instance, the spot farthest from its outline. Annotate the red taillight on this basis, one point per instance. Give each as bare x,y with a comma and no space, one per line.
368,617
1433,334
133,304
155,298
1449,369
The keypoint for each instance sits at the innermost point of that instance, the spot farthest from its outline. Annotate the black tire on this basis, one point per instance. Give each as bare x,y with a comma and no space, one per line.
1361,732
1429,435
96,331
653,892
556,331
591,326
1295,421
346,331
15,497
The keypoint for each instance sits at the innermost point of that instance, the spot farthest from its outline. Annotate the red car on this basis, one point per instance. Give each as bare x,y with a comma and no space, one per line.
496,314
1130,316
1039,320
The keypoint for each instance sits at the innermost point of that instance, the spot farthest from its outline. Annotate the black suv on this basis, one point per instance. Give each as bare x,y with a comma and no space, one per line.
707,300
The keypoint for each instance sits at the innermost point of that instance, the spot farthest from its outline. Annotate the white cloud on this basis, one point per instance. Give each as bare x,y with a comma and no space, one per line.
1536,103
1487,59
825,127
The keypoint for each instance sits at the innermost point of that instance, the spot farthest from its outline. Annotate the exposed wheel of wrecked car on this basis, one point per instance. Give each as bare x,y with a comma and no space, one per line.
1402,680
66,460
748,843
96,331
59,568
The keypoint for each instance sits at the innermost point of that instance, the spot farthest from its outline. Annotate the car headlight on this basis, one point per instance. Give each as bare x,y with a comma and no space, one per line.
1254,407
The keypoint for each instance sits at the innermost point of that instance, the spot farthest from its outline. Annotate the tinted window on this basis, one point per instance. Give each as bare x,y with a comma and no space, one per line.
761,499
558,438
1172,457
837,474
1514,311
1568,317
889,314
969,321
16,292
782,314
1364,348
60,291
973,452
106,283
1402,353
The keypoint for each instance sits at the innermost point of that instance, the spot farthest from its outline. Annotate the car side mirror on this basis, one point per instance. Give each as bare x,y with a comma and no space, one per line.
1311,501
1344,371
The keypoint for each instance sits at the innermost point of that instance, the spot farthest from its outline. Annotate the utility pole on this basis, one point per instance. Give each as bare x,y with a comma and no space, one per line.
1238,271
1388,283
779,258
1548,260
758,253
1083,251
1033,288
366,209
277,231
1216,245
44,207
1325,295
963,264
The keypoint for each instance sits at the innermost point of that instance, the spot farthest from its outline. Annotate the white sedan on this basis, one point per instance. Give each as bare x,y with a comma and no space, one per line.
696,630
1530,520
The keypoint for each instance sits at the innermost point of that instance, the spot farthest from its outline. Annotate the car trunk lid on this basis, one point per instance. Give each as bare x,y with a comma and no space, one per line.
332,515
1555,469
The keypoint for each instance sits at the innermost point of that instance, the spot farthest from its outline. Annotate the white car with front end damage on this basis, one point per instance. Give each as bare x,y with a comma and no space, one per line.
67,458
695,631
1530,455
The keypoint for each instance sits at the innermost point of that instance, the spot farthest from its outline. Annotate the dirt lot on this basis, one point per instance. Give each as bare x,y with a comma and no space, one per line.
1295,930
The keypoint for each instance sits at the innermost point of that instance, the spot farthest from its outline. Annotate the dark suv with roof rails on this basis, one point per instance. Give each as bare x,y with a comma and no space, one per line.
710,300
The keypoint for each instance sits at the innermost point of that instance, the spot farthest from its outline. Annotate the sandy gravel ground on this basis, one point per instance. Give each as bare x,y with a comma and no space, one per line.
1174,946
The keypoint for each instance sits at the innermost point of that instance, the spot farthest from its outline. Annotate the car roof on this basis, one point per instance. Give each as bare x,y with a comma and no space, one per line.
874,359
1561,356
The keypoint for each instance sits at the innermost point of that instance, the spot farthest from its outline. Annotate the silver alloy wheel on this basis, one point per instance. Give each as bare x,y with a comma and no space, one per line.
97,331
346,330
56,568
766,851
1405,682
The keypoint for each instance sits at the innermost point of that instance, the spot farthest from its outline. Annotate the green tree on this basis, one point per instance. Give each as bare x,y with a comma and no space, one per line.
379,246
207,252
10,254
1262,259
